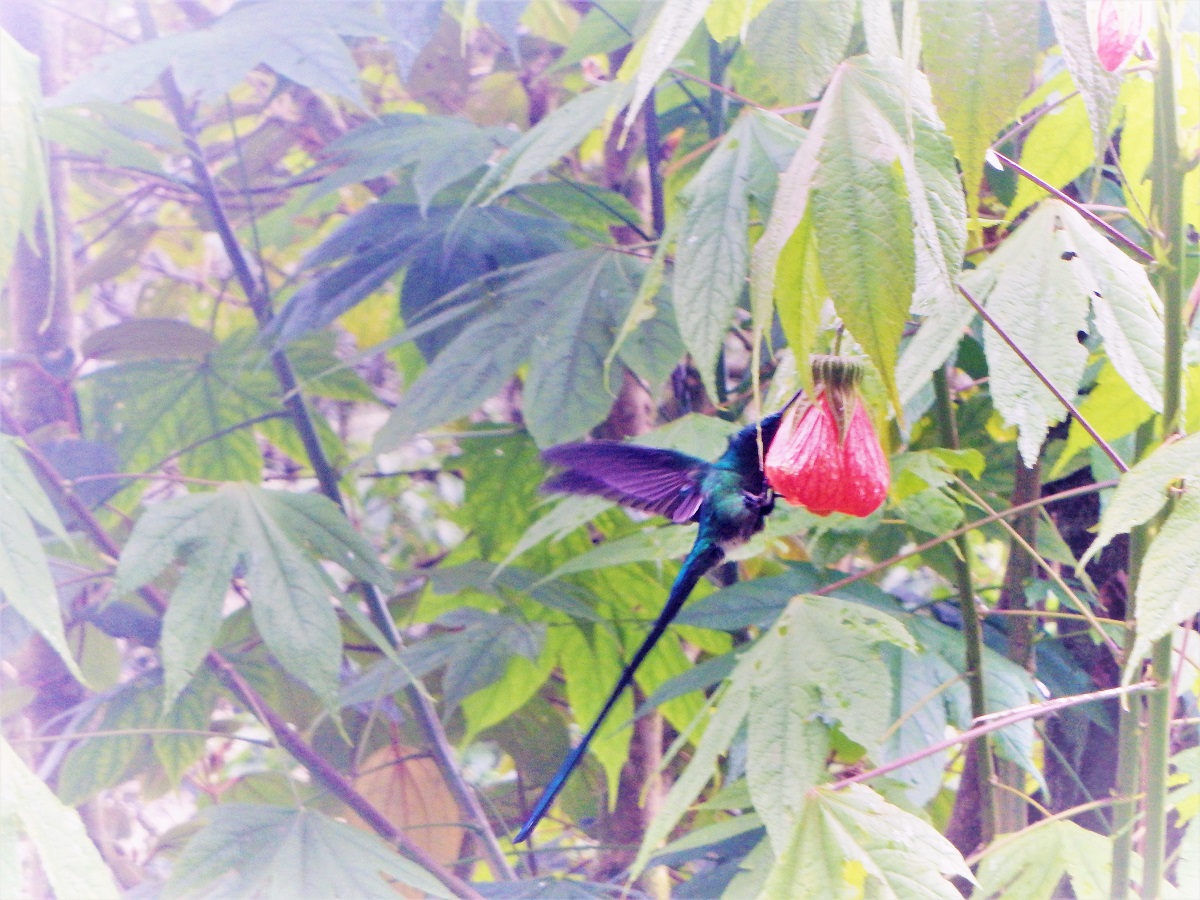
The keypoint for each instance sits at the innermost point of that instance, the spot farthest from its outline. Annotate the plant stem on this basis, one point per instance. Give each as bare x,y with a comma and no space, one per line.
658,213
1166,217
327,477
985,774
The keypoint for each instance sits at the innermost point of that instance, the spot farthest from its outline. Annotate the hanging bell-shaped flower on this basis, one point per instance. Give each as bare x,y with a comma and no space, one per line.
1117,27
826,456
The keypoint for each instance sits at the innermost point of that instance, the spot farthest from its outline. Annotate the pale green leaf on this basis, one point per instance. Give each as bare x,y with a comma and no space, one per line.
25,576
1039,296
979,57
289,597
1031,863
852,842
1097,85
655,53
274,851
1166,587
936,339
23,488
712,247
730,18
1126,307
799,43
72,864
193,618
1142,491
563,518
816,666
800,296
880,28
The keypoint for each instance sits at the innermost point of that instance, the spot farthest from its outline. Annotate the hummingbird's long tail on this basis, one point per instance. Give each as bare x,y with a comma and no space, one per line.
704,556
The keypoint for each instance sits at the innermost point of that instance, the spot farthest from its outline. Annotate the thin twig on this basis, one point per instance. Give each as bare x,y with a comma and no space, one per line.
970,526
995,722
1059,395
1080,208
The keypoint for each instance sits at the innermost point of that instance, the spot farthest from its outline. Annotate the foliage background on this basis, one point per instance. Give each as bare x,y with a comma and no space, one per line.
297,290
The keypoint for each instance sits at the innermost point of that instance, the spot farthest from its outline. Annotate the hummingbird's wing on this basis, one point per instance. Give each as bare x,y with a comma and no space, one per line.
656,481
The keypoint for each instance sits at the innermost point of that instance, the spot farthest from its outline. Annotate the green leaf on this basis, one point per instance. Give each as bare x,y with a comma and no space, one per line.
98,763
862,221
552,138
191,711
1142,491
1125,306
289,593
24,572
1166,587
148,338
271,851
590,668
1058,149
799,44
299,39
852,843
730,18
879,28
70,860
23,178
94,137
1111,407
800,295
816,666
1097,85
653,54
1038,294
1031,863
979,57
712,247
562,313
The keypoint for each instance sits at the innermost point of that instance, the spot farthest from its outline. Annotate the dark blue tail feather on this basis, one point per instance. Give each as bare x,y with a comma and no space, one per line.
703,557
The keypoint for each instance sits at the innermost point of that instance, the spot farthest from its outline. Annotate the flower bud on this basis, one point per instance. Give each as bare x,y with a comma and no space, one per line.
826,456
1117,27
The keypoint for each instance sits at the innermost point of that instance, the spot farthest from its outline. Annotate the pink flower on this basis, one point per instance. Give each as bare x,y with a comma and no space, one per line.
1117,28
826,460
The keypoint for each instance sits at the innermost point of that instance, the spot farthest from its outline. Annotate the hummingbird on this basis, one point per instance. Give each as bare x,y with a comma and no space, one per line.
729,498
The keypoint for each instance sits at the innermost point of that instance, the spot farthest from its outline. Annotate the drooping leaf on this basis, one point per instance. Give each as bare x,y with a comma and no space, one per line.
816,666
70,860
730,18
253,850
1097,85
24,572
1166,588
800,295
1142,491
800,43
979,57
654,53
853,842
879,28
1038,294
1031,863
713,249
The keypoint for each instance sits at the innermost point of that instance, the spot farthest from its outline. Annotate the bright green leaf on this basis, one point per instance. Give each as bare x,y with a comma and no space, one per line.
731,18
1097,85
1031,863
653,54
799,43
852,842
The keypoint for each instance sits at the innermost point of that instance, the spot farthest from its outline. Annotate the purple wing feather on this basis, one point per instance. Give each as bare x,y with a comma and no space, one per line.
663,482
